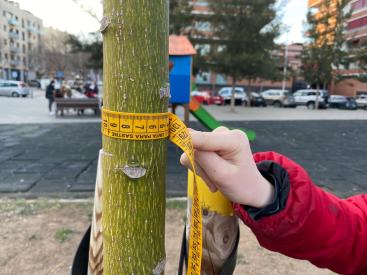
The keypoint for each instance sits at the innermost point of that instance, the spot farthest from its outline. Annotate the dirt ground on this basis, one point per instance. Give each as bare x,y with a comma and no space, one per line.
40,237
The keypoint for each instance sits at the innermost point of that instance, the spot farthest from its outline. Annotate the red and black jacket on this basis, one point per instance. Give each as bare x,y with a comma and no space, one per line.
305,222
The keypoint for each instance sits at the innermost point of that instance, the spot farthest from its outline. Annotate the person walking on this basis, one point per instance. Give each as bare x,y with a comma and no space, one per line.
50,95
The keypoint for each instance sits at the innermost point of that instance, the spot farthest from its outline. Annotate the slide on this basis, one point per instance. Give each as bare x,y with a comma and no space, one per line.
209,121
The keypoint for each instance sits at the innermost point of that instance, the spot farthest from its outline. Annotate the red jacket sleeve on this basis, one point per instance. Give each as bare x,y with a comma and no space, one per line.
314,225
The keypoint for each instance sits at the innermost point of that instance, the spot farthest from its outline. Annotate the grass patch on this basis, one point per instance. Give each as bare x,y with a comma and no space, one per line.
176,204
63,234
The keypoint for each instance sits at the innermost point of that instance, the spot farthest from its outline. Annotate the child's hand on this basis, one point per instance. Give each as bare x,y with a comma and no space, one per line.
224,161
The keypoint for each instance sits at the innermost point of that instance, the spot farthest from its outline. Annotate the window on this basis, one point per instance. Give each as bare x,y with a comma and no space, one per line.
4,27
5,42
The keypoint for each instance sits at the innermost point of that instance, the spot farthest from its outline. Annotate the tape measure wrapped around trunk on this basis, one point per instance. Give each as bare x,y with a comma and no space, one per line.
132,126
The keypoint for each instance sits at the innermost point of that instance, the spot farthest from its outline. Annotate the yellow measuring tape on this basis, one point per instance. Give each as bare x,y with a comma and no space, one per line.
132,126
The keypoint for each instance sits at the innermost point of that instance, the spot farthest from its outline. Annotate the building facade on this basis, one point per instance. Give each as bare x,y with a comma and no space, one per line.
357,24
356,36
20,42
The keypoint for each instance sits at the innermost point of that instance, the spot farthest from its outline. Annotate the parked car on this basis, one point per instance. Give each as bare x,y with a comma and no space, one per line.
257,100
201,97
362,101
337,101
14,88
217,100
205,97
351,104
240,96
308,98
34,83
342,102
279,98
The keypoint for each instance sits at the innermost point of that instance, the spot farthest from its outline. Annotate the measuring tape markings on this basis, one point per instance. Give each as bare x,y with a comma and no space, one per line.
132,126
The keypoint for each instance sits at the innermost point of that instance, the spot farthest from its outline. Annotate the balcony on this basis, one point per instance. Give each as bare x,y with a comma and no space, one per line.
14,62
13,22
14,35
31,29
14,49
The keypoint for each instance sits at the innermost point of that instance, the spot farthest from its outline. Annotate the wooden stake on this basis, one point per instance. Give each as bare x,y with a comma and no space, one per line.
95,263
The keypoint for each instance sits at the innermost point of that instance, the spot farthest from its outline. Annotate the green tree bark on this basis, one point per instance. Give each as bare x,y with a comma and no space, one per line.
135,72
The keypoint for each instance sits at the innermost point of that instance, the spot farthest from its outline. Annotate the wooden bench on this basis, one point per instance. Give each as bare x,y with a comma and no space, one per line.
79,104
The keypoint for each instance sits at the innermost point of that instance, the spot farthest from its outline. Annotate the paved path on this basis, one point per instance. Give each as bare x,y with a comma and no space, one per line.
60,159
34,110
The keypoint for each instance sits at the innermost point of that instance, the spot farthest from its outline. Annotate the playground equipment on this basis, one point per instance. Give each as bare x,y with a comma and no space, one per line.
209,122
181,53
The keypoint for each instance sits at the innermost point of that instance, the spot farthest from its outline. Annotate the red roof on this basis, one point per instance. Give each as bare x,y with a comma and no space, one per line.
180,45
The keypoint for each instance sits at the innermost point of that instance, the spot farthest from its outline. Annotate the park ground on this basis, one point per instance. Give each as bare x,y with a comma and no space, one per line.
40,237
46,157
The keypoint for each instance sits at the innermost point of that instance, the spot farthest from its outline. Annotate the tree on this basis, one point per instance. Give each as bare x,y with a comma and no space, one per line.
92,46
180,17
135,71
243,33
326,50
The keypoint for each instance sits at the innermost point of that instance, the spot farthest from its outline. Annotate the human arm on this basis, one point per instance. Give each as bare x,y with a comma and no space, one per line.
312,225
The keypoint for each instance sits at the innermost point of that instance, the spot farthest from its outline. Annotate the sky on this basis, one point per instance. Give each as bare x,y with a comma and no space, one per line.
66,15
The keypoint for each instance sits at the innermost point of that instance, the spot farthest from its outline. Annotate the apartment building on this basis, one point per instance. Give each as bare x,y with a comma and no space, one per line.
357,24
356,35
356,29
20,42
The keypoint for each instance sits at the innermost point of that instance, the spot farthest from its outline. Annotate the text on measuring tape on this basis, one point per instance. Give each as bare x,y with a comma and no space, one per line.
132,126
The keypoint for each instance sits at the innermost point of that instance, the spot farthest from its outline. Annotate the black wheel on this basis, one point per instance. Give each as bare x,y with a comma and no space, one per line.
15,94
277,104
311,105
365,107
245,103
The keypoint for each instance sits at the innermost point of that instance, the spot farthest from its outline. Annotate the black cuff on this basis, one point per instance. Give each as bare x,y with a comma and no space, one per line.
277,176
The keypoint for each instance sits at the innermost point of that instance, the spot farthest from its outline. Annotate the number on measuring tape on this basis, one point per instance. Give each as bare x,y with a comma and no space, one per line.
131,126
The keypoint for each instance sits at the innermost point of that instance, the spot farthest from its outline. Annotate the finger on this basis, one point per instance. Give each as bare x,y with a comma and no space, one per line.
200,172
220,141
216,168
221,129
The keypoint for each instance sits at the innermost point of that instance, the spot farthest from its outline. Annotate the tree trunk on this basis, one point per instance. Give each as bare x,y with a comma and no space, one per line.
248,92
317,101
233,99
135,72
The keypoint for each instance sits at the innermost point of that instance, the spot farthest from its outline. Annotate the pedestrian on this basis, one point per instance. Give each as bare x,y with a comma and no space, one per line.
91,90
276,198
50,95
